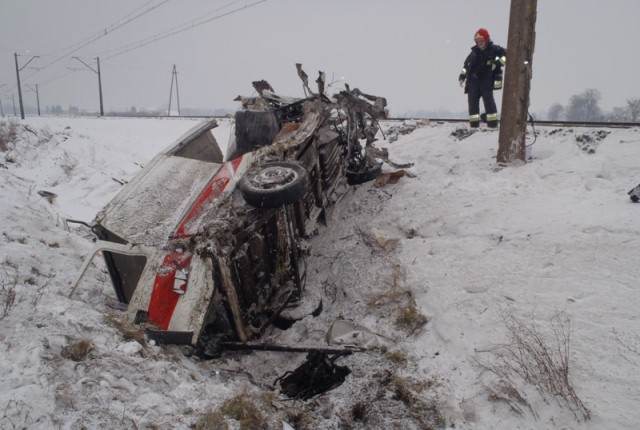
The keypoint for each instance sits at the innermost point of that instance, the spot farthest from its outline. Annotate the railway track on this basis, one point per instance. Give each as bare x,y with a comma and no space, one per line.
592,124
597,124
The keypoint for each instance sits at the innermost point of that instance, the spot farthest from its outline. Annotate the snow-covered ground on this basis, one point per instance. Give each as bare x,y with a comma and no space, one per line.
558,234
473,244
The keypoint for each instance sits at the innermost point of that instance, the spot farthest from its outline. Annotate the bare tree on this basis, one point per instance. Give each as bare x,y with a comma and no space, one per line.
585,106
634,109
618,114
556,111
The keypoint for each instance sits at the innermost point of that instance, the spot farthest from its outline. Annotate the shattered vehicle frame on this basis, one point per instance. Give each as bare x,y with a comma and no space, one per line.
204,250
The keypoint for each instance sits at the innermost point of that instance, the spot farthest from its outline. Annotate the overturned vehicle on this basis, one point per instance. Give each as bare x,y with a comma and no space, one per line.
205,249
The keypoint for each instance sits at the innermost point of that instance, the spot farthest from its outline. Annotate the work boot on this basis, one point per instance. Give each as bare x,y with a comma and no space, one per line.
492,120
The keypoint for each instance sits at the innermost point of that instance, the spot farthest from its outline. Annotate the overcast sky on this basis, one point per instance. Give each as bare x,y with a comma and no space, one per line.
410,51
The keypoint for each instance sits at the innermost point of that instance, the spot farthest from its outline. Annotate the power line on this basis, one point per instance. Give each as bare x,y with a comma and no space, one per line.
179,29
108,30
58,77
163,34
202,16
159,36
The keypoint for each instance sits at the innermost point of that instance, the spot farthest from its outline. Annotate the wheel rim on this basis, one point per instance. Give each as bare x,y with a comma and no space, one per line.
273,177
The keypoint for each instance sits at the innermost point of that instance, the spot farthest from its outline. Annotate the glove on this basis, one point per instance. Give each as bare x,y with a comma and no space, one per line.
497,85
461,78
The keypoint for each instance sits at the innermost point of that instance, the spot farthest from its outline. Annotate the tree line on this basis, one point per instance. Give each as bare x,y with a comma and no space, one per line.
586,107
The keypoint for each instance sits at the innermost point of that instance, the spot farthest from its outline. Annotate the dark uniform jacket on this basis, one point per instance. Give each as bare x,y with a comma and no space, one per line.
482,65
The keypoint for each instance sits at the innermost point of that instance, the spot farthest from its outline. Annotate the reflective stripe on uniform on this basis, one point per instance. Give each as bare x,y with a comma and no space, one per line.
503,60
474,117
492,117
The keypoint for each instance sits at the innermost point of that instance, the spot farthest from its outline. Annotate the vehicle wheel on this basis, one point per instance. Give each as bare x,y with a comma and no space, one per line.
369,173
274,184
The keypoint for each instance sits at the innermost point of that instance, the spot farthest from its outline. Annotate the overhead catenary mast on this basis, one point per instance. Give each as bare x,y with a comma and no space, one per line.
97,72
18,70
174,77
35,90
1,106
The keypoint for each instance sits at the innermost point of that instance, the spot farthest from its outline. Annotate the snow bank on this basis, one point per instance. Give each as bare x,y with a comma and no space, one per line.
122,382
471,242
558,234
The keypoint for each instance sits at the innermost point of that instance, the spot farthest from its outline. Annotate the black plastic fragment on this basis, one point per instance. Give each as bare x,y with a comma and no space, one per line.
318,374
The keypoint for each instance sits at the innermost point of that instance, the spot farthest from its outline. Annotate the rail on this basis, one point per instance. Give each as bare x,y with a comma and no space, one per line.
598,124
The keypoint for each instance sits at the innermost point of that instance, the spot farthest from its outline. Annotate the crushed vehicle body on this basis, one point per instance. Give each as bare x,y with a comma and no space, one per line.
204,249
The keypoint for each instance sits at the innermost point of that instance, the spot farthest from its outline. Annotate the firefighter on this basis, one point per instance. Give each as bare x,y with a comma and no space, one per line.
481,74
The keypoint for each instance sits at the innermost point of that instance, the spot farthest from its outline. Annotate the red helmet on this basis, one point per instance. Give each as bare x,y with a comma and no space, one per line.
483,33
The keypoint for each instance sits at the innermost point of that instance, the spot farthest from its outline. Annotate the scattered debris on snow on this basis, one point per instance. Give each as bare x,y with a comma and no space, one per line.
634,194
589,142
463,132
407,126
77,350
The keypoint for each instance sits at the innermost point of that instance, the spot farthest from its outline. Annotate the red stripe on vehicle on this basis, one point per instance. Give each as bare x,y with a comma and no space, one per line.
236,162
212,190
163,299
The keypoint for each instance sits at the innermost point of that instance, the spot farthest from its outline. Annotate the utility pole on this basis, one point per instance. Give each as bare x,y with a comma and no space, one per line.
171,91
38,99
175,73
18,70
35,90
97,72
15,56
174,76
100,87
2,107
13,100
517,83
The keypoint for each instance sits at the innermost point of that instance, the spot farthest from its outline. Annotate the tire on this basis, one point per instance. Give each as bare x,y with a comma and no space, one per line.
274,184
368,174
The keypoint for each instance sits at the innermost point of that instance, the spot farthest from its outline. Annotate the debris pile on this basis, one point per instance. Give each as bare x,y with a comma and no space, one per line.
462,133
406,127
589,142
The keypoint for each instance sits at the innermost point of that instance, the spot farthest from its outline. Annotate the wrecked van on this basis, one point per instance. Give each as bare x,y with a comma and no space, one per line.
203,248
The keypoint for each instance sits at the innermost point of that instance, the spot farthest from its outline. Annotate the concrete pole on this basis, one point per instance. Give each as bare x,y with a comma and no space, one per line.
175,73
173,70
15,57
100,86
38,99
